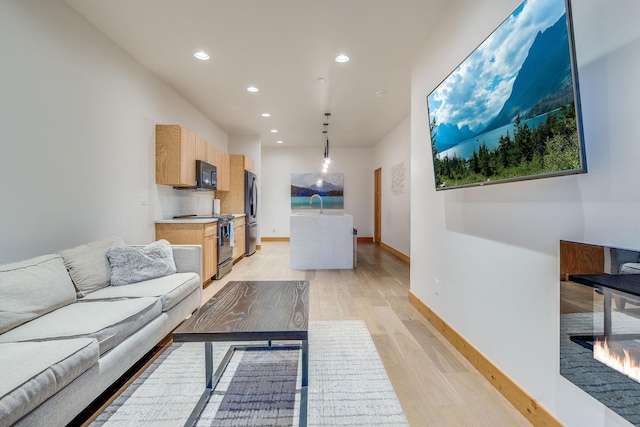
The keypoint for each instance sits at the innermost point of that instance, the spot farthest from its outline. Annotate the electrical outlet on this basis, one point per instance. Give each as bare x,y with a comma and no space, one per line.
274,230
437,290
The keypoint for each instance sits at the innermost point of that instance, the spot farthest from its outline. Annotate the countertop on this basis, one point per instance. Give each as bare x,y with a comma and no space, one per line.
192,220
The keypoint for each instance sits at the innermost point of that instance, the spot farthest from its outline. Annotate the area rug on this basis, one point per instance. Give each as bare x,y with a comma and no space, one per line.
348,385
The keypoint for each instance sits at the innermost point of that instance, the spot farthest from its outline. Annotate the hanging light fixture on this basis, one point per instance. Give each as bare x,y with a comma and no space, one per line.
327,159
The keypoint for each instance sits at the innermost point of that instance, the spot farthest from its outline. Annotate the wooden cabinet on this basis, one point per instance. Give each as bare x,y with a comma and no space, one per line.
238,238
194,234
224,166
175,156
202,149
249,165
177,149
232,201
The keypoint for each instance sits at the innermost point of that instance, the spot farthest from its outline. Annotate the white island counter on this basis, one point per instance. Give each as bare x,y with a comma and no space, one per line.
321,241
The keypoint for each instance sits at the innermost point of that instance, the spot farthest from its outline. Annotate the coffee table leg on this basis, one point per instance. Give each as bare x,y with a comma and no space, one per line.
208,364
305,383
208,370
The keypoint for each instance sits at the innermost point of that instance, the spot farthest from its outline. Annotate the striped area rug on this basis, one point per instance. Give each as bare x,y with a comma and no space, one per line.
348,385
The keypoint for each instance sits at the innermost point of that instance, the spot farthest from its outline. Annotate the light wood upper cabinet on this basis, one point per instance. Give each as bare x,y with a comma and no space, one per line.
232,201
248,165
224,169
175,156
177,149
202,149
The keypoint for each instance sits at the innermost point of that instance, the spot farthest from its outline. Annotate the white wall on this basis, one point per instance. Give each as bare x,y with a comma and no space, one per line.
495,249
393,153
280,162
77,133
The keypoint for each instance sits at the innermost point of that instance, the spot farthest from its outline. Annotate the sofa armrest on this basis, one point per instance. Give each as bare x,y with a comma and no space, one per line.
188,258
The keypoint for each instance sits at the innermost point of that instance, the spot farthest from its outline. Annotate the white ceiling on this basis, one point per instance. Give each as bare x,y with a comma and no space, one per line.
282,47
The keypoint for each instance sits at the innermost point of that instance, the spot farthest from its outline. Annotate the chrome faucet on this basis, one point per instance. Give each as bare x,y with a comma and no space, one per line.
318,196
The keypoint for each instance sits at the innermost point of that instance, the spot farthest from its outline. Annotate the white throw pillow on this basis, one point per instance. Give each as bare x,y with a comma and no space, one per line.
31,288
88,265
133,265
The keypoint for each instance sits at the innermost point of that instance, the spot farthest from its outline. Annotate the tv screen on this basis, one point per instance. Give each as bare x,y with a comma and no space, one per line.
511,110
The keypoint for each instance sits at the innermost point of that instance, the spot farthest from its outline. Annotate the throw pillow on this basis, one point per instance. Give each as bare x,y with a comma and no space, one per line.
88,266
132,265
31,288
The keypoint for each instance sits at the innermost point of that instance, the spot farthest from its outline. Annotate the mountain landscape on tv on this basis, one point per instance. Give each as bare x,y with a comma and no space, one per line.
324,189
533,131
543,84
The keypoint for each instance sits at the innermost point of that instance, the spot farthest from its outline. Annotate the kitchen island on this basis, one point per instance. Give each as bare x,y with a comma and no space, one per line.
321,241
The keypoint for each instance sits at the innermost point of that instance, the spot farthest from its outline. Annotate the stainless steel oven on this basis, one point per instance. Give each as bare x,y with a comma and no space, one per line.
225,248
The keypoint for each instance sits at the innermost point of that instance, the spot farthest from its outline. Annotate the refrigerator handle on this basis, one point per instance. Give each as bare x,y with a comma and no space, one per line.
254,197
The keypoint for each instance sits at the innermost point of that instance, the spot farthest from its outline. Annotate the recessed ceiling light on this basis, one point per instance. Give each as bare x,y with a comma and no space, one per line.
201,55
278,142
252,89
342,58
321,80
274,130
266,115
381,93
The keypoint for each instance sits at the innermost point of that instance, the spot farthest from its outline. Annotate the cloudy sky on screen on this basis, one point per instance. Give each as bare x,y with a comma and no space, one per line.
475,91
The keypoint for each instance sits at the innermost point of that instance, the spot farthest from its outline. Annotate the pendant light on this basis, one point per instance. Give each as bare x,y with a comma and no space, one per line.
327,159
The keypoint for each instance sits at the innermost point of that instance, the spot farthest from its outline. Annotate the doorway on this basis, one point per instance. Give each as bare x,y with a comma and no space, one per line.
377,205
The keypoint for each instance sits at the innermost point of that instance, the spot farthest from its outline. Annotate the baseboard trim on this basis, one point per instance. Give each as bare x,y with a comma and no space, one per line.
518,397
397,253
365,239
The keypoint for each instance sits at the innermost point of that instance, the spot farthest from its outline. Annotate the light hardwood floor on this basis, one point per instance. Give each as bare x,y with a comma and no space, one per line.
435,384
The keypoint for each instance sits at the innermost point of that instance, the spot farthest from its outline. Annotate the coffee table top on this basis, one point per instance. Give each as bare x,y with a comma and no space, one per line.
251,311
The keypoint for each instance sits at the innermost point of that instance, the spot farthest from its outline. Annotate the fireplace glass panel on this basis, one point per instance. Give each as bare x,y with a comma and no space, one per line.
600,324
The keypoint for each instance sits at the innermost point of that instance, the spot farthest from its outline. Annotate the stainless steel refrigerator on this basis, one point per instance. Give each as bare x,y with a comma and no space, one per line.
251,210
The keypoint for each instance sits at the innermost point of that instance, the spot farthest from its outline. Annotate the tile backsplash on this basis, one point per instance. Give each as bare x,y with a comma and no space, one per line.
171,202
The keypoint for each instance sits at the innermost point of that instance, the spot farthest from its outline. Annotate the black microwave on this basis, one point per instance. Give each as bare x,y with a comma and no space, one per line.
206,176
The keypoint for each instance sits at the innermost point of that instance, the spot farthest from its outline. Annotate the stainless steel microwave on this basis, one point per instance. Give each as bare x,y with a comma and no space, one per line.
206,176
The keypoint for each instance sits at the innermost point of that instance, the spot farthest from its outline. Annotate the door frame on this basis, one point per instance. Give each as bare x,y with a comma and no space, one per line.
377,205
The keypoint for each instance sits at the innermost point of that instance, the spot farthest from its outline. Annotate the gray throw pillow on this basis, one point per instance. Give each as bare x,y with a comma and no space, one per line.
133,265
88,265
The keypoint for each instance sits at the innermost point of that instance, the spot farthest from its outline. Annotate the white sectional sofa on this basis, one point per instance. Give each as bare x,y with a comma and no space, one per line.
67,333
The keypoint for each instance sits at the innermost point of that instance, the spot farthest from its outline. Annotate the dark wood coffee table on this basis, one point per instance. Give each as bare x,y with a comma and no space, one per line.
250,311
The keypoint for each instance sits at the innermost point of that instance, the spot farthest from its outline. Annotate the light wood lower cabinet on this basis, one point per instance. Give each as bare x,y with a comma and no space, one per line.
238,238
205,235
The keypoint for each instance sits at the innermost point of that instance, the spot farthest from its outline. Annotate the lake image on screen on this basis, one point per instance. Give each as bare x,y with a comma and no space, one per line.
329,186
508,111
328,202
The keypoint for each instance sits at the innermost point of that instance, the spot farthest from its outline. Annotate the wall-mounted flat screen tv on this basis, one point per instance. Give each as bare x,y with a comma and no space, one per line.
511,110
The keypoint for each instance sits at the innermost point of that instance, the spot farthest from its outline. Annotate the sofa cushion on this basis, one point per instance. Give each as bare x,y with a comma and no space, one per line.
132,264
88,265
109,322
630,268
31,288
170,289
32,372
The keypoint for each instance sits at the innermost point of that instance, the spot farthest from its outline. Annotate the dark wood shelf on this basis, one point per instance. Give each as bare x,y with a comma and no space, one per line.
628,283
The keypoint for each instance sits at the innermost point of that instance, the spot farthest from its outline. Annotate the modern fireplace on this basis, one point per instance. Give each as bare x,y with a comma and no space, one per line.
600,324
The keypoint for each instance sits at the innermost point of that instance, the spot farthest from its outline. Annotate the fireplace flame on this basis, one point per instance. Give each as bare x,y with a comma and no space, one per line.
625,363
